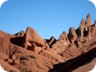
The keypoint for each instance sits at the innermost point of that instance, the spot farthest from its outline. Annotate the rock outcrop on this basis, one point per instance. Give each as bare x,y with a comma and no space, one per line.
31,37
61,44
88,20
28,52
81,29
21,33
72,35
64,37
51,41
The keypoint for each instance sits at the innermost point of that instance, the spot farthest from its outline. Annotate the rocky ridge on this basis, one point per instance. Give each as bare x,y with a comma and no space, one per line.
28,52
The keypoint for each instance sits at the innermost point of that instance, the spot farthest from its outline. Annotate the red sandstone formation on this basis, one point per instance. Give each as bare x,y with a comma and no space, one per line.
28,52
31,36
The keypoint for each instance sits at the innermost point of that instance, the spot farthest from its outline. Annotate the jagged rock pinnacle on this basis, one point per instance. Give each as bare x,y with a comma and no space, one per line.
72,35
81,29
88,20
31,53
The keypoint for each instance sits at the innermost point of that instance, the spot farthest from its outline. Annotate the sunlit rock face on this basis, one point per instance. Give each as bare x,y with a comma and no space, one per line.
27,51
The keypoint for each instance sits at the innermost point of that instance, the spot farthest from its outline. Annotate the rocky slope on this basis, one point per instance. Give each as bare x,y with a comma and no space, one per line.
28,52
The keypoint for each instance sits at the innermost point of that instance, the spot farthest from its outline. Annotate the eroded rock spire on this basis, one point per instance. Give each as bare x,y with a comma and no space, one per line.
72,35
88,20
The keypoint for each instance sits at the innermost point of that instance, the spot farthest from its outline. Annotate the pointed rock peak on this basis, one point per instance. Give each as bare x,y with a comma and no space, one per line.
63,36
52,41
31,31
72,35
88,15
88,20
71,30
29,28
64,33
52,37
82,23
31,36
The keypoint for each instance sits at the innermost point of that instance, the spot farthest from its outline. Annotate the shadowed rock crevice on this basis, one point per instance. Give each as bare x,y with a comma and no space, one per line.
72,64
16,40
51,41
29,52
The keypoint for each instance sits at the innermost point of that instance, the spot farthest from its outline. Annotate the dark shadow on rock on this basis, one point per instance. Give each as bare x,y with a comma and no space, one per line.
17,40
49,40
72,64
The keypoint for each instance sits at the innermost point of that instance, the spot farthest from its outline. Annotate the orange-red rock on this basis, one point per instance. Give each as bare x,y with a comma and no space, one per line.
28,52
31,36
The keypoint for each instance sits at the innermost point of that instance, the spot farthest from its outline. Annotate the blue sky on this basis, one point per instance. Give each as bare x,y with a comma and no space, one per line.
47,17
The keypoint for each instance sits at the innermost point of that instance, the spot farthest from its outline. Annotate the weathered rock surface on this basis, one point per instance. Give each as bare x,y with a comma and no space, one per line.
72,35
80,30
21,33
23,60
61,44
28,52
51,41
30,37
88,20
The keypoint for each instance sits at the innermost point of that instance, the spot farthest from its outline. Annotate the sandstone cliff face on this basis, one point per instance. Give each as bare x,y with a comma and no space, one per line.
28,52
